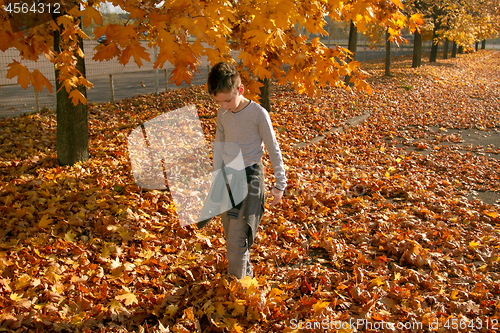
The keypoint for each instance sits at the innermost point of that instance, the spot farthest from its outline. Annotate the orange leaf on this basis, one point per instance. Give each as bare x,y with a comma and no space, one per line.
415,22
39,80
491,214
23,74
77,97
248,282
45,222
320,306
181,73
89,14
473,245
137,51
417,18
128,297
106,52
262,72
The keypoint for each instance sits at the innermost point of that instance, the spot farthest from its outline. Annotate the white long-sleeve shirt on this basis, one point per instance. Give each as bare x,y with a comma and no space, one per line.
248,130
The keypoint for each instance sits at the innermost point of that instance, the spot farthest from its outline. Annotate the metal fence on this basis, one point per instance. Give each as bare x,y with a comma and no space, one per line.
113,81
128,81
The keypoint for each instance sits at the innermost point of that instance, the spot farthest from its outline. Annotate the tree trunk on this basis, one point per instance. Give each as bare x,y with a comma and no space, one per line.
446,46
477,46
434,47
417,50
265,95
353,43
72,124
483,44
329,32
460,49
387,54
454,50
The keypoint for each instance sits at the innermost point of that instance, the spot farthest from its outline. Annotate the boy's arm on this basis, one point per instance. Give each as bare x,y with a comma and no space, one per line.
269,138
218,145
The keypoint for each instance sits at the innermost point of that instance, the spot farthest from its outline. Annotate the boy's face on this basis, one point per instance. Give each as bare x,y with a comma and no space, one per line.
230,101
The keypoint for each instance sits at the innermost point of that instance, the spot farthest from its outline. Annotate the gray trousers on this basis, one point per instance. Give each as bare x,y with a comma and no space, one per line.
238,255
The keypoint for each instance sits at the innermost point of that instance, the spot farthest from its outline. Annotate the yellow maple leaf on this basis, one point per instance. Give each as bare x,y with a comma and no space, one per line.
107,249
100,31
363,85
123,34
239,307
491,214
79,318
22,282
233,325
180,74
39,306
320,306
90,206
275,292
417,18
77,97
69,83
262,72
189,314
136,13
139,52
279,38
70,236
398,3
473,245
65,21
415,22
128,297
377,282
247,58
45,222
248,282
84,82
23,74
39,80
16,297
171,310
219,309
256,36
89,14
135,50
114,304
106,52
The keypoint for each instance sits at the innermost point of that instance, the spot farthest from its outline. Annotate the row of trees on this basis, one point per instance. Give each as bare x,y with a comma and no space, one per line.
461,22
270,35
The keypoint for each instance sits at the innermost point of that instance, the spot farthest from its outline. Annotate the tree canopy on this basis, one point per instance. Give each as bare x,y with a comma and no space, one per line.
464,22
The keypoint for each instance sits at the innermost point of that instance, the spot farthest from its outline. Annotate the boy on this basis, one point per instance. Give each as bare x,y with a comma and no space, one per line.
247,125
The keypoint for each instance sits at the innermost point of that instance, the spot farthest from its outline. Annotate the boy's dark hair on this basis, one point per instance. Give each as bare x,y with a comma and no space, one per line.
223,78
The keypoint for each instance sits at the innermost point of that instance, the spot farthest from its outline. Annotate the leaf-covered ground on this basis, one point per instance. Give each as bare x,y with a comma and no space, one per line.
370,232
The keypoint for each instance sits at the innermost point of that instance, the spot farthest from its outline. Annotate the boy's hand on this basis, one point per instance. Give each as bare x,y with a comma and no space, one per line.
277,195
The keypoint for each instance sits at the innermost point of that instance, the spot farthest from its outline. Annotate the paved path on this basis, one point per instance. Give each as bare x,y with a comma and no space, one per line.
476,138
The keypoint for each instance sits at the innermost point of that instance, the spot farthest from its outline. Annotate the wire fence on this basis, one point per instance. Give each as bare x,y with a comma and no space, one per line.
127,81
113,81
